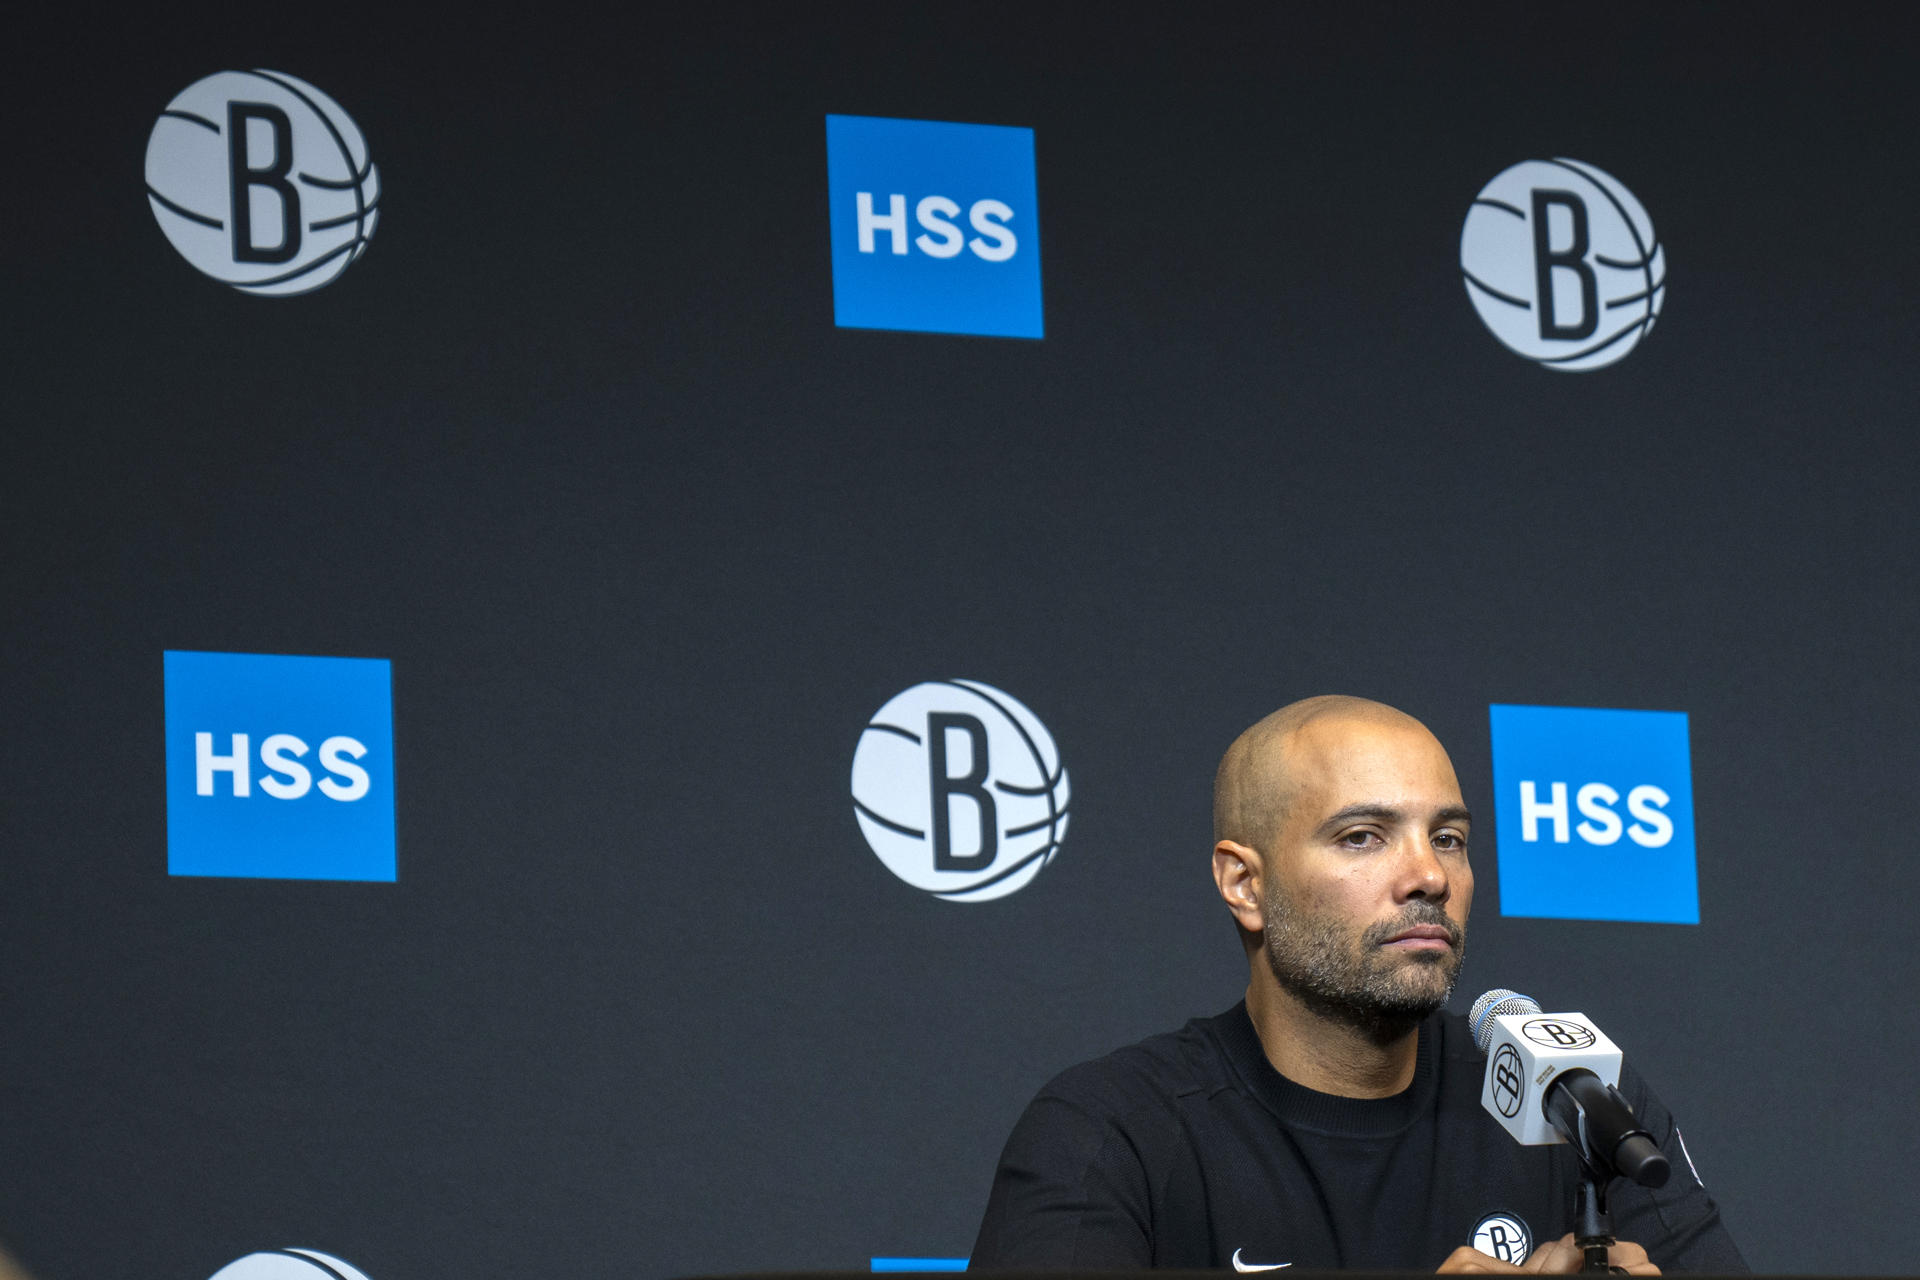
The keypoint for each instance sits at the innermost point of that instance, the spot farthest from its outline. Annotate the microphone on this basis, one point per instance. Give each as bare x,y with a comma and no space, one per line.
1552,1078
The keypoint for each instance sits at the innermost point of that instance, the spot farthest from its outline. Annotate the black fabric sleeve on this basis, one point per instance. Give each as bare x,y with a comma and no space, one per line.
1679,1224
1070,1191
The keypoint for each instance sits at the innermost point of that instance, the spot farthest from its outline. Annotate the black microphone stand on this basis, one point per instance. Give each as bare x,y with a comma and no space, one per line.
1592,1224
1600,1127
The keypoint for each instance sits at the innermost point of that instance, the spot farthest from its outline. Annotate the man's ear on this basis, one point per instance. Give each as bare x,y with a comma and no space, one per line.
1238,872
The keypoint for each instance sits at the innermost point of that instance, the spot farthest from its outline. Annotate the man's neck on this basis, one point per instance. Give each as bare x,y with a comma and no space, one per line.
1326,1055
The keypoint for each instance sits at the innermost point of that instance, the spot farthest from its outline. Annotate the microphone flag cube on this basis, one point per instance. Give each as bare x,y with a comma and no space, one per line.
1524,1054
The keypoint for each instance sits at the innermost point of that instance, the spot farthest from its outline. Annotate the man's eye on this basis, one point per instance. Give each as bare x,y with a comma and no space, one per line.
1449,840
1360,839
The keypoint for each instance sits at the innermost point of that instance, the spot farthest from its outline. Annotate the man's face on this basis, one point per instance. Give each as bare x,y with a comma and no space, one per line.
1367,883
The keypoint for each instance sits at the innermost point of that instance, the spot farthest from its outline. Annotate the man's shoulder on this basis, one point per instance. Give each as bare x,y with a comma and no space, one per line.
1151,1074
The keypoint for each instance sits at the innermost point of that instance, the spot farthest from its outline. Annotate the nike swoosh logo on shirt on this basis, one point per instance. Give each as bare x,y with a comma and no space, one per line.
1256,1266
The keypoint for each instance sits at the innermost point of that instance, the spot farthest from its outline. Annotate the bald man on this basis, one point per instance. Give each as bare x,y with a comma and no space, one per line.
1331,1119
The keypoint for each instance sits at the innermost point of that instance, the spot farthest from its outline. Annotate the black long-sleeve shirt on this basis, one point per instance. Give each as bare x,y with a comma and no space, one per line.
1189,1150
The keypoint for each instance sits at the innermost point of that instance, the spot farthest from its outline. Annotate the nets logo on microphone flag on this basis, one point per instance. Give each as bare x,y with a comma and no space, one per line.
935,227
1593,810
279,767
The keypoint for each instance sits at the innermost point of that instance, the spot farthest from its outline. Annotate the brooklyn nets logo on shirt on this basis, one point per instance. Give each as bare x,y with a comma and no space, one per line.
1562,264
262,182
960,790
1504,1237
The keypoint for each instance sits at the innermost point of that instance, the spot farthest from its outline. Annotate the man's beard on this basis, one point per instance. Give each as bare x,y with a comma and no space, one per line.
1380,993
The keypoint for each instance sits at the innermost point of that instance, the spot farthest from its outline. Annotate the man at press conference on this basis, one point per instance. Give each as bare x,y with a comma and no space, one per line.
1332,1119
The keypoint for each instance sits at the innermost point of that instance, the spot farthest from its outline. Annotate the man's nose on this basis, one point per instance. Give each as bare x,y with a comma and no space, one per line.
1421,874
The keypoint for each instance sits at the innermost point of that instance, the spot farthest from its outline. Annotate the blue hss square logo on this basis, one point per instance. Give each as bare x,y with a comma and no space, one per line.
935,227
279,767
1594,814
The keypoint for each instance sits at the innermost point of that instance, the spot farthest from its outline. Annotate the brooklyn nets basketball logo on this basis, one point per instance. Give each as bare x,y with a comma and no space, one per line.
1504,1237
1509,1081
262,181
1562,264
289,1264
1557,1034
960,790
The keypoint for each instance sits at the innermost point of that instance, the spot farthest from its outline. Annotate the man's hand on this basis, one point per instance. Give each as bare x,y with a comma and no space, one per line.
1562,1257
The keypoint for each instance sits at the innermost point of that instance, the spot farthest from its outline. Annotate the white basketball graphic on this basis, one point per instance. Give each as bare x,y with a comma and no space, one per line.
1562,264
289,1264
960,790
261,181
1504,1237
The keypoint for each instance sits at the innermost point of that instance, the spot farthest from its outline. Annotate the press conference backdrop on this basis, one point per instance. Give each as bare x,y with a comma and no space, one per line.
618,624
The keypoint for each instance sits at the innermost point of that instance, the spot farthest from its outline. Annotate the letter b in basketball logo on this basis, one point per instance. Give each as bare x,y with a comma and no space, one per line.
261,181
1504,1237
960,790
1509,1081
1557,1033
1562,264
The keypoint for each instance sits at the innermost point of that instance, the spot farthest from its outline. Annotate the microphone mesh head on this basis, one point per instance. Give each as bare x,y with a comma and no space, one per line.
1492,1005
